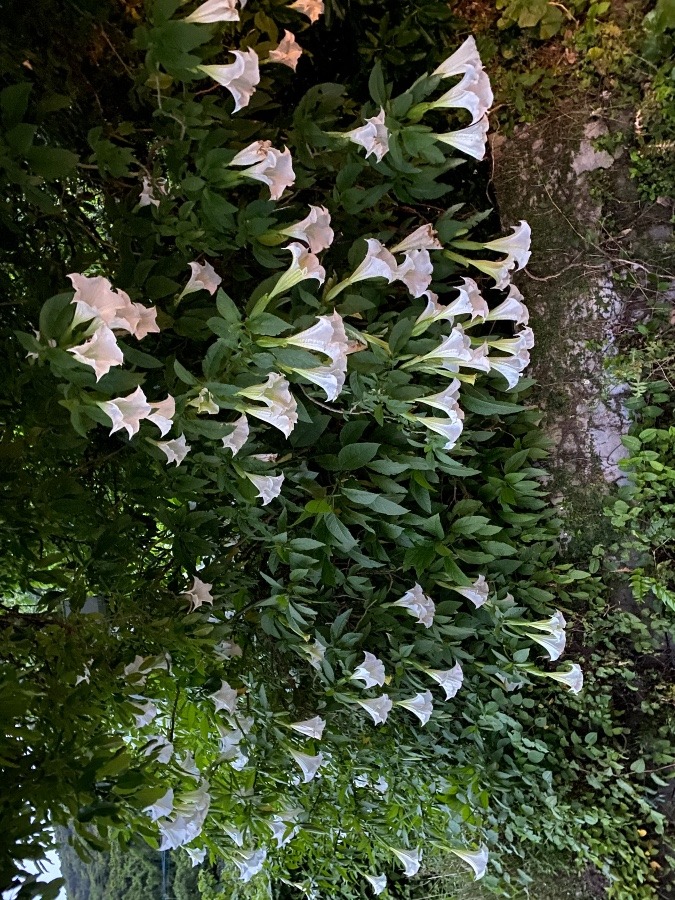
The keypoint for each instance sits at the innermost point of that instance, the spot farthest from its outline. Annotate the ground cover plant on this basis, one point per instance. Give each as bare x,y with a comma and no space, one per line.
280,575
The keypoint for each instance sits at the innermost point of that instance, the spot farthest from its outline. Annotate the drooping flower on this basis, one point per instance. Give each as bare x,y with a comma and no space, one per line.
522,340
199,593
282,830
377,882
326,336
161,748
175,450
450,428
473,93
418,604
225,698
573,677
147,196
315,652
161,807
162,414
423,238
421,705
197,855
464,58
310,8
370,671
378,708
329,378
235,834
239,77
446,400
411,860
281,408
146,713
228,650
477,859
204,403
550,626
516,246
127,412
553,644
288,52
268,486
249,864
477,592
100,352
373,136
512,309
309,764
312,728
455,348
314,229
203,278
381,785
479,308
449,679
190,809
267,164
416,271
471,140
499,271
511,367
305,265
377,263
436,312
214,11
238,437
95,299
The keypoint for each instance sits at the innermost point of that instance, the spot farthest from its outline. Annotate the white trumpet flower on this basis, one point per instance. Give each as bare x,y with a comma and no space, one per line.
373,136
411,860
312,728
416,271
310,765
477,592
423,238
511,367
268,486
287,53
573,677
267,164
418,604
101,352
378,708
214,11
449,679
421,705
477,859
238,437
516,246
198,594
225,698
370,671
310,8
464,58
512,309
305,265
175,450
239,77
471,140
314,229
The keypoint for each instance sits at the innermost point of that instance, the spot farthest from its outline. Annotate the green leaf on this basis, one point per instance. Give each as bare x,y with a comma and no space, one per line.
376,85
354,456
52,162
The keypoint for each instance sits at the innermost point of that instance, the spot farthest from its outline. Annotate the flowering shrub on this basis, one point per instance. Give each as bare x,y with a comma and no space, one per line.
266,431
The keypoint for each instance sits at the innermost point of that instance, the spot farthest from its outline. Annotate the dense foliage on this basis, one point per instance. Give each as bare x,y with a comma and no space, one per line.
188,598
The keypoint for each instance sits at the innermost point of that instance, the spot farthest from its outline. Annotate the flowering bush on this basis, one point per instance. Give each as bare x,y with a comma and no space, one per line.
263,434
